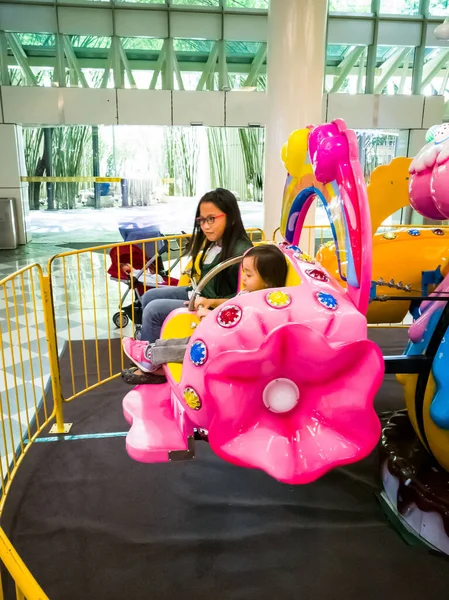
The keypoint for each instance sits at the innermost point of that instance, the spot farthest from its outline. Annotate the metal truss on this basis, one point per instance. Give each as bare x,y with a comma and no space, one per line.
69,64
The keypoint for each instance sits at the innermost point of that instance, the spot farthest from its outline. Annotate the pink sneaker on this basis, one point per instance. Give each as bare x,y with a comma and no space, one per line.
135,351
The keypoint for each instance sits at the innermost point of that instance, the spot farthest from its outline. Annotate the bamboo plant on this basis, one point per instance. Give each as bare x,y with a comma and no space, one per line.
218,156
187,150
69,144
253,144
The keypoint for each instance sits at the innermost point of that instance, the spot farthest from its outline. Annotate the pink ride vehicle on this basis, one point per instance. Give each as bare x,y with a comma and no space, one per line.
281,380
429,175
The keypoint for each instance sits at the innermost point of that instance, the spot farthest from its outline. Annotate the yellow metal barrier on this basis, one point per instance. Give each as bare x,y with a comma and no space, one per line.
87,324
27,366
71,179
313,236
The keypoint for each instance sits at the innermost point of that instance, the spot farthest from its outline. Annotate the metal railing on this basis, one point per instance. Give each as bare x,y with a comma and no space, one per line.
84,297
28,367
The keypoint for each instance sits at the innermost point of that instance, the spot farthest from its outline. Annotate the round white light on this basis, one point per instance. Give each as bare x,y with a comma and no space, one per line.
281,395
442,31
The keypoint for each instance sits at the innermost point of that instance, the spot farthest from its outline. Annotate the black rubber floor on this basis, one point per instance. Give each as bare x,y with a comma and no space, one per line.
92,524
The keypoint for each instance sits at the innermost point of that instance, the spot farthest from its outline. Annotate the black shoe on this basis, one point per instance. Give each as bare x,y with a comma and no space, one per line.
130,377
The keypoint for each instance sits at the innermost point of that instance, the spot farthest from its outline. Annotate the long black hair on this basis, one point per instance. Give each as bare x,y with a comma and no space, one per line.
225,201
270,263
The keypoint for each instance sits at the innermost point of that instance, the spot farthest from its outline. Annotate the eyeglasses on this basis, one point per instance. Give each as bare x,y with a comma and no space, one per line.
209,220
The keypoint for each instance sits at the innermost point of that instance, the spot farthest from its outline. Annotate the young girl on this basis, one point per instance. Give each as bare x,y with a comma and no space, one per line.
262,267
220,234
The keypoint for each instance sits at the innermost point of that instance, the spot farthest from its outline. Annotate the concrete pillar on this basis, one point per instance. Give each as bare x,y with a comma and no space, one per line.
12,167
295,84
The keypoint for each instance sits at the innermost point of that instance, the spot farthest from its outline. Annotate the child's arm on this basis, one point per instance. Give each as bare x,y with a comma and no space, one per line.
209,303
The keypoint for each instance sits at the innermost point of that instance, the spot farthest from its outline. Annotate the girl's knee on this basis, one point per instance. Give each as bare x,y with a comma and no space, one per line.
154,309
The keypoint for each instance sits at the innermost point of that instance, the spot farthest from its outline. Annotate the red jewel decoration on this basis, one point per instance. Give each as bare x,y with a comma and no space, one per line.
438,231
318,275
229,316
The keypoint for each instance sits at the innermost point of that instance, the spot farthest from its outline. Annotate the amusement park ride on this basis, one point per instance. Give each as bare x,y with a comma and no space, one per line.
284,380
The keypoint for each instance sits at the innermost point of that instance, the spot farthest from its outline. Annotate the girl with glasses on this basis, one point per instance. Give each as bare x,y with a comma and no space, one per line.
262,267
219,234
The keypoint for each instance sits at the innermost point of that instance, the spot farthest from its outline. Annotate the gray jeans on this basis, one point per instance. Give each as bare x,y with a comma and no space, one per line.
168,351
157,304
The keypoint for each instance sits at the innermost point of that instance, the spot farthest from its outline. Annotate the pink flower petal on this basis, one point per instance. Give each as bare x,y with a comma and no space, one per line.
333,423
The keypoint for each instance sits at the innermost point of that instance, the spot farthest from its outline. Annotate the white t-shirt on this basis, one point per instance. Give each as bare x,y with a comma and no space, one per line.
212,254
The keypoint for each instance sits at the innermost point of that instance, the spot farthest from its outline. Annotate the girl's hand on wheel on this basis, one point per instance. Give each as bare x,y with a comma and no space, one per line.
204,302
202,312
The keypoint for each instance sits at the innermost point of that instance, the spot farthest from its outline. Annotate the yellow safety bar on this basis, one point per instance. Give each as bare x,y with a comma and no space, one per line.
26,586
71,179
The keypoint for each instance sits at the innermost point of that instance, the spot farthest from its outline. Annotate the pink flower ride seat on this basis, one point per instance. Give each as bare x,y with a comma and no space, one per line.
281,380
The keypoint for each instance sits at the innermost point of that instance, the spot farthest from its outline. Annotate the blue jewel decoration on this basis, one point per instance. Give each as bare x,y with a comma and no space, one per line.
294,248
414,232
198,353
327,300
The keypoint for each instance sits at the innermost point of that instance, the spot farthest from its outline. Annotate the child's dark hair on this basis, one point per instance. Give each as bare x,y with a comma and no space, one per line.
270,263
225,201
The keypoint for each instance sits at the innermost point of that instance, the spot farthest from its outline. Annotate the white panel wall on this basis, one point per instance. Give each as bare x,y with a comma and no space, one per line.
433,111
357,111
139,23
245,28
431,39
144,107
394,33
8,159
361,32
71,106
399,112
385,112
245,108
417,141
88,107
14,18
205,108
11,159
31,105
52,106
85,21
195,25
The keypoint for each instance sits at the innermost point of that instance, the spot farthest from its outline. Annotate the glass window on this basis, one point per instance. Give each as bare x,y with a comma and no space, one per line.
196,2
140,43
399,7
240,58
43,40
89,41
394,70
260,4
140,1
436,72
142,54
345,69
350,6
190,51
439,8
80,1
36,47
185,45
